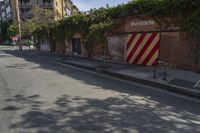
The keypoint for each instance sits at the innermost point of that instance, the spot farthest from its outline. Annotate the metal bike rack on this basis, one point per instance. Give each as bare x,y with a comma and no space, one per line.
196,85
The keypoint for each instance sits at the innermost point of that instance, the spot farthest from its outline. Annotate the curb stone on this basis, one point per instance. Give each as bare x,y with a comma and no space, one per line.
172,88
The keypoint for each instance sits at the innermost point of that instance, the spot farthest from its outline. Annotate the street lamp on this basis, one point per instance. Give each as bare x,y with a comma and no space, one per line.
19,24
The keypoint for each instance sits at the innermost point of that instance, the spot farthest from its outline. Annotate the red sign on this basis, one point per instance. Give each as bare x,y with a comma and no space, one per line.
143,48
15,38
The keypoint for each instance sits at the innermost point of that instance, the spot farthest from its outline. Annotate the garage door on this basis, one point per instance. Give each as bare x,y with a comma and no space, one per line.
143,48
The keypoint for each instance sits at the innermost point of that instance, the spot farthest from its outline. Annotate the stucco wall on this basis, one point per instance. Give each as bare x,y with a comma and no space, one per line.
116,48
68,47
58,7
168,47
184,59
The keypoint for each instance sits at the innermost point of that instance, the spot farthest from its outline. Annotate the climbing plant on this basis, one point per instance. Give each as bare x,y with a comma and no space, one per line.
93,25
193,29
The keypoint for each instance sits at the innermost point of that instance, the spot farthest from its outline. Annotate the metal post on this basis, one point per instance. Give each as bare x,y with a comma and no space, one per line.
19,24
165,72
154,74
71,43
195,86
104,58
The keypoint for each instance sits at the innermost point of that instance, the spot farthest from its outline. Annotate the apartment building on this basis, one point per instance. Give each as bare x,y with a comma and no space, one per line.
1,3
69,8
8,8
5,10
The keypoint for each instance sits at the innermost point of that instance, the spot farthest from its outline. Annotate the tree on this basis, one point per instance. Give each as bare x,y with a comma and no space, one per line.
43,21
97,36
40,25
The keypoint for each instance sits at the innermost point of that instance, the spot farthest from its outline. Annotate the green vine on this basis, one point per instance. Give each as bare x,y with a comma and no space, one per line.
94,24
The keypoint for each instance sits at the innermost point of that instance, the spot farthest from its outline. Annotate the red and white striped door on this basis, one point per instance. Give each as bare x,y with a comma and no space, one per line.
143,48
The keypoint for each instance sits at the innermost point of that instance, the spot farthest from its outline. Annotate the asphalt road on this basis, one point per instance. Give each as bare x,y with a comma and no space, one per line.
37,96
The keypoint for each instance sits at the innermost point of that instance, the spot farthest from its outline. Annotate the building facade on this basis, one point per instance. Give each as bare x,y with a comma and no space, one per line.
8,8
5,10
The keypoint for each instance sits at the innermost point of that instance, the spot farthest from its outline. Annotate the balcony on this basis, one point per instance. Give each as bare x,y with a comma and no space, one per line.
26,15
47,5
6,3
25,6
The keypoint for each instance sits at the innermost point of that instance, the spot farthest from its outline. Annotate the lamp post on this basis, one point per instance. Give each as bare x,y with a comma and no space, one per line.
19,24
105,48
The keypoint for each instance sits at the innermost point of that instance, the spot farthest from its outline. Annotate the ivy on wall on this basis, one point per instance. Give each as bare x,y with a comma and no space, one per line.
94,25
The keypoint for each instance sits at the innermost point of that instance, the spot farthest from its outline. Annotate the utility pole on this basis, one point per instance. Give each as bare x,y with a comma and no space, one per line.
62,5
19,24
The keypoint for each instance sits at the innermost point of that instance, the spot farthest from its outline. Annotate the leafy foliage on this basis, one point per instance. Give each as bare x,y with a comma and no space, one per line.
12,30
193,28
94,25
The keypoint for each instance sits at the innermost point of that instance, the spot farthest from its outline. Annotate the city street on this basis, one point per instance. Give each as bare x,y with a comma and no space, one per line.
38,96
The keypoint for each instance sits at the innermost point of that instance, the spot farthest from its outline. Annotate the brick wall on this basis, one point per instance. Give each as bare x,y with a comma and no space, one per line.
175,49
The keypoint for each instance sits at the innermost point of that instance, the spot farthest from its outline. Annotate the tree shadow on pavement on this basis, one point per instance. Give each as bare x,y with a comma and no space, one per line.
127,113
22,101
121,115
101,82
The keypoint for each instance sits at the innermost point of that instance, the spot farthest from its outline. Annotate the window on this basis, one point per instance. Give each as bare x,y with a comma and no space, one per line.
8,9
36,1
68,12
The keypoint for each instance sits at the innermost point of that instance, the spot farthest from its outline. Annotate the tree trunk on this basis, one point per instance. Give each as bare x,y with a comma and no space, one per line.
64,47
90,52
51,46
39,43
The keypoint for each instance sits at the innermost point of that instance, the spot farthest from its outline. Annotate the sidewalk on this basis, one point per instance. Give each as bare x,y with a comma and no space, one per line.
178,81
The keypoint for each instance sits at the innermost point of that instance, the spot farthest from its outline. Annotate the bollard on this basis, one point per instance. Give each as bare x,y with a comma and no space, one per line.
154,75
165,73
165,70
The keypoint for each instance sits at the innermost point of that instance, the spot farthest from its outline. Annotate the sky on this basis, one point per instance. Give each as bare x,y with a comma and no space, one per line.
85,5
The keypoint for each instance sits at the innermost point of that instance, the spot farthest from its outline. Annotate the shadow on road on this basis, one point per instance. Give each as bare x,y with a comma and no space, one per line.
123,115
127,113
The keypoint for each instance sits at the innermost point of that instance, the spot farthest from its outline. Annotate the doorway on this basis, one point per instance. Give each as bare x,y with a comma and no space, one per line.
76,44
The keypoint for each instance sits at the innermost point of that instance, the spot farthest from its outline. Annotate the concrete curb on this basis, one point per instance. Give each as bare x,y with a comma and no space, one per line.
80,66
172,88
